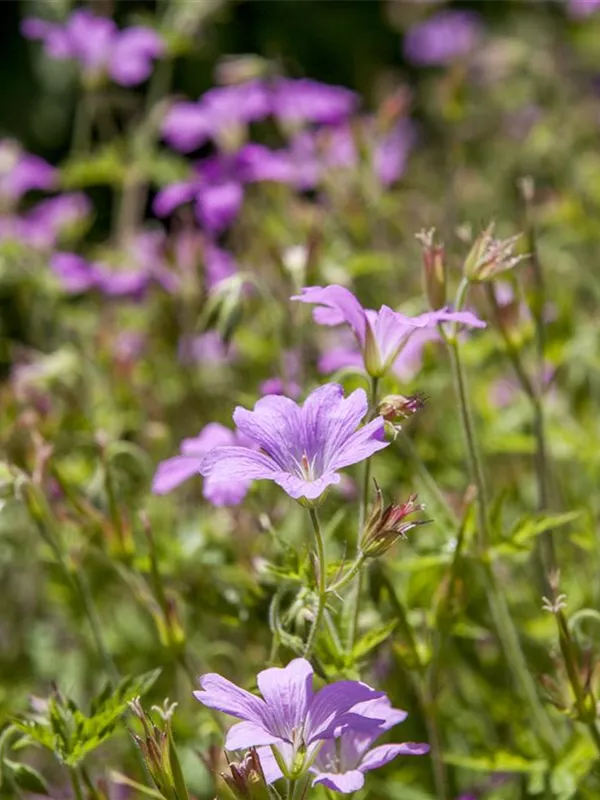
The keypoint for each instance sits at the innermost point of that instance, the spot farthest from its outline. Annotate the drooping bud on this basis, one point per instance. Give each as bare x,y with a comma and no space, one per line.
396,407
386,525
489,257
434,269
247,780
371,355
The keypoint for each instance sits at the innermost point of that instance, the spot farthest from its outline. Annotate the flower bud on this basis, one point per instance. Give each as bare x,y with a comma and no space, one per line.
489,257
386,525
434,269
247,780
372,356
396,406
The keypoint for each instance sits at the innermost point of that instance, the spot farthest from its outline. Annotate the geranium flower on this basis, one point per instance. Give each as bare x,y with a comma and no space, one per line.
444,37
301,447
175,471
292,717
21,172
99,46
381,335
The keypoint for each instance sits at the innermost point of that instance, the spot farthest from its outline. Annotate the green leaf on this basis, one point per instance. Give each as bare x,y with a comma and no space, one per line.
372,639
501,761
123,780
26,777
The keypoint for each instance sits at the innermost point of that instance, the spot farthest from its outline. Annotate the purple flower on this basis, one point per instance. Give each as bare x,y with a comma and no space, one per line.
21,172
96,43
291,717
288,384
217,206
299,101
381,335
441,39
217,115
174,471
342,763
391,152
579,9
218,265
74,272
301,447
208,348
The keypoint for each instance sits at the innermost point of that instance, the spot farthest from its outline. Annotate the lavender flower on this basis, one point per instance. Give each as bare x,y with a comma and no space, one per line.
381,335
301,447
391,152
208,348
218,115
21,172
299,101
175,471
291,718
342,763
98,46
444,37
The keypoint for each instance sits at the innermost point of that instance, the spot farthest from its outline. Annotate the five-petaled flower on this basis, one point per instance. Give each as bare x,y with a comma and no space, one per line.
301,447
381,335
292,719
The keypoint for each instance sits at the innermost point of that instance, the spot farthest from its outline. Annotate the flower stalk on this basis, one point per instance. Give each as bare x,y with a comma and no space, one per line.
321,581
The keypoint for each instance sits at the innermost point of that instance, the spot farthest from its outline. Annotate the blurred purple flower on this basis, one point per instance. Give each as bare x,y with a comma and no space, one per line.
391,152
288,384
218,114
208,348
74,272
218,265
442,38
99,46
21,172
217,206
342,763
303,100
292,717
175,471
301,447
381,335
579,9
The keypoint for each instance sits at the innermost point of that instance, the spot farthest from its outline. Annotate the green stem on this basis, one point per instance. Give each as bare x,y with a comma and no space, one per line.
322,578
500,613
345,579
76,783
354,597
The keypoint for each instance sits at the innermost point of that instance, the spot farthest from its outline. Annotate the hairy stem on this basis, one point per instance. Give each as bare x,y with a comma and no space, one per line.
322,578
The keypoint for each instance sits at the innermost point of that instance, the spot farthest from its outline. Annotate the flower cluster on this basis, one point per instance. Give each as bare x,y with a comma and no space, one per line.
328,733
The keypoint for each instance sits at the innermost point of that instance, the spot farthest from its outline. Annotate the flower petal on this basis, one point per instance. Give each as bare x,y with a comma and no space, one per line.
432,318
269,764
331,703
362,444
274,424
298,487
225,493
385,753
248,734
223,695
342,301
288,692
237,463
344,782
173,472
212,435
169,198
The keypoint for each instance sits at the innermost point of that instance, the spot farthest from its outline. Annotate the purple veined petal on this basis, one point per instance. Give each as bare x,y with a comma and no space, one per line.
173,472
223,695
343,782
330,703
342,415
212,435
379,756
392,151
391,331
341,301
237,463
274,424
225,493
133,53
248,734
298,487
218,206
269,764
288,693
364,443
169,198
186,126
410,359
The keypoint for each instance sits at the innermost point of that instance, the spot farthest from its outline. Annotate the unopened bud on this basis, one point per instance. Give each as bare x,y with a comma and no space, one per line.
396,406
434,269
489,257
247,780
386,525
